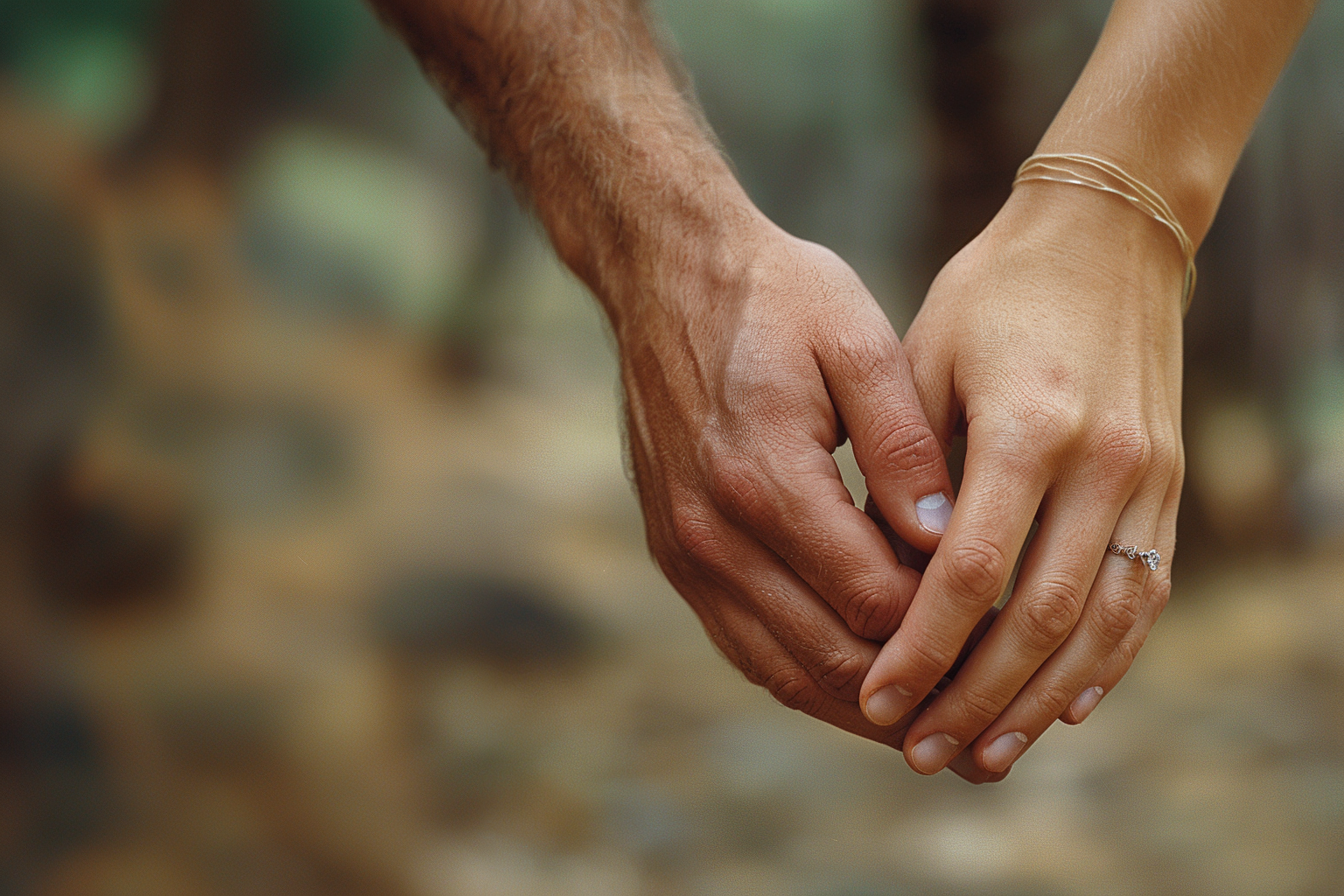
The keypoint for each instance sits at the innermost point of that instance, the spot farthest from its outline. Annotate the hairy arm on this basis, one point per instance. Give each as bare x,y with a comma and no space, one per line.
746,355
573,101
1054,339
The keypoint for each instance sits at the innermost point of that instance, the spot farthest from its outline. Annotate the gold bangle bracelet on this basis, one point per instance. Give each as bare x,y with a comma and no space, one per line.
1108,177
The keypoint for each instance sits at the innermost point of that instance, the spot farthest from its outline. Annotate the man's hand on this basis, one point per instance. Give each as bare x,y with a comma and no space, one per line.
747,356
741,378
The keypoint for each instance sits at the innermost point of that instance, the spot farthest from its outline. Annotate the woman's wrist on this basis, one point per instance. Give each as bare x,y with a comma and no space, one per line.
1190,181
1086,229
1082,170
1172,91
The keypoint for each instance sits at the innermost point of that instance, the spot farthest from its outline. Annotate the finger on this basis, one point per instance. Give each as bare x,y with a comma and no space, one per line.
807,518
870,382
1157,592
964,767
752,648
969,571
907,554
1004,743
1123,605
1048,601
729,564
925,349
1109,675
962,764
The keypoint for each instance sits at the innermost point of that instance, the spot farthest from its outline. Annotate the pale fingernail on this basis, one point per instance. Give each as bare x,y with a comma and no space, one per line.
933,512
1085,702
886,706
932,753
1000,755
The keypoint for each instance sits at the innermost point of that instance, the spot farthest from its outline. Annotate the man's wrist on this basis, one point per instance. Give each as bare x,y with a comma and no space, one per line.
674,225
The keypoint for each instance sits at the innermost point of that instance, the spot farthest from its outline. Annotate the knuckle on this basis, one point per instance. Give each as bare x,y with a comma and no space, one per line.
695,538
841,674
928,660
1052,699
870,611
739,489
976,569
979,706
1128,649
794,688
1126,449
908,446
1048,613
1119,610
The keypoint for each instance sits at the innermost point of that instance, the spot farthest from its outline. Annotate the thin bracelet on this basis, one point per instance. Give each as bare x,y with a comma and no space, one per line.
1062,168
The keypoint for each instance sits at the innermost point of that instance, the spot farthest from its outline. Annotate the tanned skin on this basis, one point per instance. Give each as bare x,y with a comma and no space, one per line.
1053,340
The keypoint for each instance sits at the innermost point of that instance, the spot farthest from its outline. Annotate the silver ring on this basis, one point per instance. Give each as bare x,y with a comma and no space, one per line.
1152,557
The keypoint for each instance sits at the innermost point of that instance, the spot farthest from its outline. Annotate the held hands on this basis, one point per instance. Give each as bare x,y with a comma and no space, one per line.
744,369
747,356
1054,338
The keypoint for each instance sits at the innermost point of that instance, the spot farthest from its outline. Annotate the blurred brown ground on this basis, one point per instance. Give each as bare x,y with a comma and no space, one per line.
320,573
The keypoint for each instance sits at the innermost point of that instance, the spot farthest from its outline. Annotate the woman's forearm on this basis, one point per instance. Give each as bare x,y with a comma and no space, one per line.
1055,339
1172,92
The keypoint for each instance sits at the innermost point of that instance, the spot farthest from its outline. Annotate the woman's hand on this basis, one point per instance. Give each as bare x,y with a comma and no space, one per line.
1054,339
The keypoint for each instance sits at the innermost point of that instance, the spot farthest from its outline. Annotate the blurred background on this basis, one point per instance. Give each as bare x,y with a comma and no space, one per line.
319,571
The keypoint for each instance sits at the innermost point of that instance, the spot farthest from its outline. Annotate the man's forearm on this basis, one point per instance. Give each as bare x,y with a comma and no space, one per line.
745,353
574,102
1172,92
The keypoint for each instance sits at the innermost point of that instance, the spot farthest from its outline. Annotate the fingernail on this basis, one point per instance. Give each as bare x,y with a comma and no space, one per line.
934,511
887,705
933,752
1085,702
1000,755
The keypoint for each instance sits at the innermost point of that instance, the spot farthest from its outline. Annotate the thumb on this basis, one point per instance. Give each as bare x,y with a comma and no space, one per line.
907,555
898,453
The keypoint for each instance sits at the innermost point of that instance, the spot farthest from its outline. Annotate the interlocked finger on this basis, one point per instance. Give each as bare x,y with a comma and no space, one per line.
966,575
730,569
808,519
1047,604
764,660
